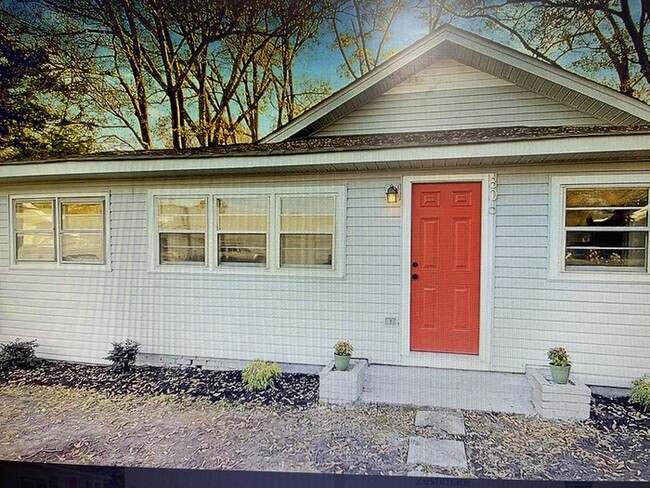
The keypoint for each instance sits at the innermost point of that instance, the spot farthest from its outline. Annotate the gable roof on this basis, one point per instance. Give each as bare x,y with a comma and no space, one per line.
449,42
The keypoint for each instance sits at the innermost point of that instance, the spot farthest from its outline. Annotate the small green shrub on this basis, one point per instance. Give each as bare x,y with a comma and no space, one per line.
123,355
558,357
260,375
641,393
18,354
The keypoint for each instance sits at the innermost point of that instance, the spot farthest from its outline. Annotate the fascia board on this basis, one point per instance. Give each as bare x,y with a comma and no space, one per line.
558,148
553,74
479,45
355,88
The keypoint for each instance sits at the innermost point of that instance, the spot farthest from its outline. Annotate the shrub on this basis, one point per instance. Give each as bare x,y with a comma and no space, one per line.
18,354
343,348
641,393
558,356
260,375
123,355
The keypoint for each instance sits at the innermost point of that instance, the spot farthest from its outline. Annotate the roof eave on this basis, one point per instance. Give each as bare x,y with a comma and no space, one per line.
467,40
618,147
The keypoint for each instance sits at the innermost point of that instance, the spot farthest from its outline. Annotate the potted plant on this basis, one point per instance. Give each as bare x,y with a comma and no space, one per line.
342,353
560,365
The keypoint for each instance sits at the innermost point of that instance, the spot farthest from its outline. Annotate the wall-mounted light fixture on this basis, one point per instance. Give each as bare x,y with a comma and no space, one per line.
392,195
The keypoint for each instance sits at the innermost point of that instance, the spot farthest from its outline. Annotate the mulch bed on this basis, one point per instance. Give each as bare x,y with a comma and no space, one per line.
290,390
617,415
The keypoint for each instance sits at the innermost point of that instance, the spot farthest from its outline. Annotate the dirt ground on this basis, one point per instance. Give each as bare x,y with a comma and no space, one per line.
67,425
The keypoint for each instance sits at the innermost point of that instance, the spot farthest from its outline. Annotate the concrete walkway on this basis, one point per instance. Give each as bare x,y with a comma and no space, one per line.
448,388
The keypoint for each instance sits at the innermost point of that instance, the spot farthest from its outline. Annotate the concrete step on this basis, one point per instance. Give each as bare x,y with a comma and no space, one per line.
455,389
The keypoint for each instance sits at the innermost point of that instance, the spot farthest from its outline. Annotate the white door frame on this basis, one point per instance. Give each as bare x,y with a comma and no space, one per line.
488,207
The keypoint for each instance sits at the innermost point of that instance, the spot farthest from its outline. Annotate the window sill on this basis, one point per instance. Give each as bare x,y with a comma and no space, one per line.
253,272
601,277
47,266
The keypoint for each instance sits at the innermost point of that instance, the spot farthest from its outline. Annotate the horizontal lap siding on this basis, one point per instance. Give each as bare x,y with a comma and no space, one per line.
604,326
451,95
76,314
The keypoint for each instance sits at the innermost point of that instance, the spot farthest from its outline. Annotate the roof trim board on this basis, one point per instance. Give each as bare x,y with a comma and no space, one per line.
619,147
478,52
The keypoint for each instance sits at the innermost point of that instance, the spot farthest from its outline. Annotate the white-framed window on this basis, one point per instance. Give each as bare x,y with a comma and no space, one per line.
242,230
181,230
59,229
307,231
279,230
600,228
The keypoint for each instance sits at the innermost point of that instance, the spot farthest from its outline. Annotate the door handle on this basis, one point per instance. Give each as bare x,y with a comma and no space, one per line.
415,276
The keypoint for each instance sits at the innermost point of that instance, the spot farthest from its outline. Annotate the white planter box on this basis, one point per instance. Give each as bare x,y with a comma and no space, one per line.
342,386
553,401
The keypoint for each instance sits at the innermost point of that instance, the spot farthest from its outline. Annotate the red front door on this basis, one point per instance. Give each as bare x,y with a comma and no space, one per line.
445,267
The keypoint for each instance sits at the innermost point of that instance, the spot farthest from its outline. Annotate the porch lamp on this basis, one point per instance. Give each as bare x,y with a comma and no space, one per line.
392,195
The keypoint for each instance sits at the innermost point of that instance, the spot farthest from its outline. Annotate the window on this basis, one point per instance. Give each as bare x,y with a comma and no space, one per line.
241,231
299,231
61,230
604,227
82,231
34,230
306,231
181,227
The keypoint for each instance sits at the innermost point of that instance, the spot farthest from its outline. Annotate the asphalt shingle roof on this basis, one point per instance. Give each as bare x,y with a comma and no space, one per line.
365,142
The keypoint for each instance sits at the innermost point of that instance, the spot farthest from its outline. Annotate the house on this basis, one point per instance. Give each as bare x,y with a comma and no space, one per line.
520,223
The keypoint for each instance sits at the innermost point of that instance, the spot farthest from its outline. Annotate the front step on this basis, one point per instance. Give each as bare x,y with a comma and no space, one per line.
448,388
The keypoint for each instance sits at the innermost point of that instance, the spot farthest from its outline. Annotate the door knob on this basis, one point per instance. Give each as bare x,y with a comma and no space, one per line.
414,276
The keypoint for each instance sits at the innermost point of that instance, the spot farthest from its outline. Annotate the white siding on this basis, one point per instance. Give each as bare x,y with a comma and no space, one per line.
451,95
604,326
76,314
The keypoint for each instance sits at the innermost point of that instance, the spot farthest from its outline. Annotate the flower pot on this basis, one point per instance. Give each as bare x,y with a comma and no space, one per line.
560,374
341,362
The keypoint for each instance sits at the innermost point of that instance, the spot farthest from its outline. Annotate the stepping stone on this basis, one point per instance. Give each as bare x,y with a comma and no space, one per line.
434,452
444,421
422,474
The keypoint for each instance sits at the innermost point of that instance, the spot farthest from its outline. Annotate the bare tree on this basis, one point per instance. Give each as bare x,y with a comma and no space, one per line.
595,37
362,29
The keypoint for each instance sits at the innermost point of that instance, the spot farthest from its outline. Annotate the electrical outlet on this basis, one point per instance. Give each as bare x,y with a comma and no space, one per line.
390,321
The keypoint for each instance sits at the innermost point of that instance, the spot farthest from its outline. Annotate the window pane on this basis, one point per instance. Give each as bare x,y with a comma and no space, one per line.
311,214
82,216
633,258
607,197
243,214
33,216
182,214
35,247
607,218
310,205
606,239
306,250
182,248
85,247
242,248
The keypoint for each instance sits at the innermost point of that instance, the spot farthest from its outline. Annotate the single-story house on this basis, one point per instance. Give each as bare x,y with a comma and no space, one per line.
461,206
